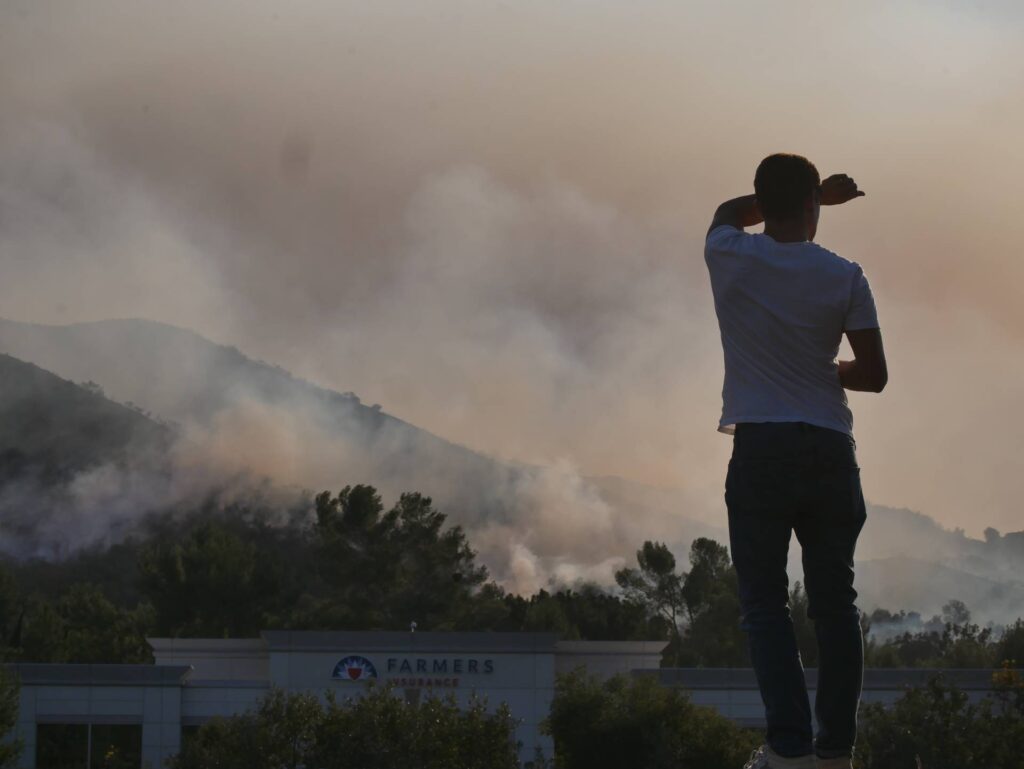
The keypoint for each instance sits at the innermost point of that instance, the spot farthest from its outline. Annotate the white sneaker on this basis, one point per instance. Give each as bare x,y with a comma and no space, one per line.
758,759
766,758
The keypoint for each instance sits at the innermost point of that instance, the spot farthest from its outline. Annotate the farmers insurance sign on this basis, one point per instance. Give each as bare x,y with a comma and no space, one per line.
413,671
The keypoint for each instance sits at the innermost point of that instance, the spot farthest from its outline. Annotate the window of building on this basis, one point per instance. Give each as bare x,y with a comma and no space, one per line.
116,746
62,746
88,746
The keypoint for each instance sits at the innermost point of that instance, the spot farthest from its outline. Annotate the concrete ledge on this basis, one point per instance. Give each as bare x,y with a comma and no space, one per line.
379,641
893,679
618,648
45,674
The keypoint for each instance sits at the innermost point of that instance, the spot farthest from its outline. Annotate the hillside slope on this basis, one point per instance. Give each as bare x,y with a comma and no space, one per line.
530,524
66,453
56,428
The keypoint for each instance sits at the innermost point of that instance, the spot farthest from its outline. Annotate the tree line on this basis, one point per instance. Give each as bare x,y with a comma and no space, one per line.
347,562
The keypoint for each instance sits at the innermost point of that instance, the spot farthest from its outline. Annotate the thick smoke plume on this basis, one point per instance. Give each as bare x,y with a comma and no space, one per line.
489,218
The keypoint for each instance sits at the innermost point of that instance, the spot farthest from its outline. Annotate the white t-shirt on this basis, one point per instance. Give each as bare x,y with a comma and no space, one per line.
782,309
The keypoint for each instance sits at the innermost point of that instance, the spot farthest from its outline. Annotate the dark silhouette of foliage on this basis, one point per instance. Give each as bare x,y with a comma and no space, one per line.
656,587
947,641
10,749
375,731
637,722
705,598
386,570
83,626
211,584
345,561
940,727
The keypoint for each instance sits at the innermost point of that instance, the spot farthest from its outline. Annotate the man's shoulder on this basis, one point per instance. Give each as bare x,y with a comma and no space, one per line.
834,260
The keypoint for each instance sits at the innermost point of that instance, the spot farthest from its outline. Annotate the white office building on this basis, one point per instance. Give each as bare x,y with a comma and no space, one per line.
78,711
71,714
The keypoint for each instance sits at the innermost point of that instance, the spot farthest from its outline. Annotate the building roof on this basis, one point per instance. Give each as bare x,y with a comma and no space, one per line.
46,674
616,648
874,678
304,640
209,646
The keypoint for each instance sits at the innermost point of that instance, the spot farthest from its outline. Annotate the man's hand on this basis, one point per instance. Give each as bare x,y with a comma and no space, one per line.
839,188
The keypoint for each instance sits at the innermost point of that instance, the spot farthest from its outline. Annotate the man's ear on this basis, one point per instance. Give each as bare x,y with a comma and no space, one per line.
811,203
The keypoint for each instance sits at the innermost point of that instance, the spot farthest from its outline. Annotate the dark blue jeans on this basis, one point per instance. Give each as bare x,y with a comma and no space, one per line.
795,477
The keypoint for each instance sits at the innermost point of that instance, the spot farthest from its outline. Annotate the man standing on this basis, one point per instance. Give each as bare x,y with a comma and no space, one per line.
783,305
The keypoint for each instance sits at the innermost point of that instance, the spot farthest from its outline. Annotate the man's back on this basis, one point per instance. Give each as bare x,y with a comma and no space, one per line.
783,304
782,309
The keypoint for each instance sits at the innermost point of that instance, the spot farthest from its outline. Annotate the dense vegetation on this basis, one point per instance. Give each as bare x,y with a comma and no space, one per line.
376,731
637,722
51,429
624,721
347,562
619,722
10,748
938,727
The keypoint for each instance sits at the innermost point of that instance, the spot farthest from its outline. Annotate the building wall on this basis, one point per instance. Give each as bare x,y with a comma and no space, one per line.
525,681
224,659
102,694
164,697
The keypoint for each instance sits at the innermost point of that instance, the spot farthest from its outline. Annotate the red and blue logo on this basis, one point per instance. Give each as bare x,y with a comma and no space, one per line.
355,668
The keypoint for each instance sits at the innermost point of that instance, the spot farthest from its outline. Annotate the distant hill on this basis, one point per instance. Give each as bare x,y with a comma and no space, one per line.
64,449
183,377
529,524
56,429
916,584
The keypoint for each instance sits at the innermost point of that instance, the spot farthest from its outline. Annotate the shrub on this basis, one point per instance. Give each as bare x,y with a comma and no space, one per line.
637,722
938,725
375,731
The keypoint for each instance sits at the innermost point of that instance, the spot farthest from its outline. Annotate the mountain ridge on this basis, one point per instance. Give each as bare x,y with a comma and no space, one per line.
531,523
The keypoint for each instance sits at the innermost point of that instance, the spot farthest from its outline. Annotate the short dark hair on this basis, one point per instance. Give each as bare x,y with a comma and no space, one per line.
782,184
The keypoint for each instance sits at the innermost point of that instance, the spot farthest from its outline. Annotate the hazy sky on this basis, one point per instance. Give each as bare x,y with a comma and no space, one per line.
489,216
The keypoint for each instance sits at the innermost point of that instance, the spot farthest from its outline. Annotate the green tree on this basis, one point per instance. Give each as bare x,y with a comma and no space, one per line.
375,731
212,583
385,570
279,733
381,731
625,722
545,613
713,637
11,613
938,726
709,569
657,587
10,749
83,626
1011,644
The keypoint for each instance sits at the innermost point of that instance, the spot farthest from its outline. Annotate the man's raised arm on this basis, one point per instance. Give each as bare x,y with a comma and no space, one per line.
738,212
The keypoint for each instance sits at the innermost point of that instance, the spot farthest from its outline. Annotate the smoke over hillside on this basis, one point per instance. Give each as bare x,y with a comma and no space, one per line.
239,424
488,218
247,432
